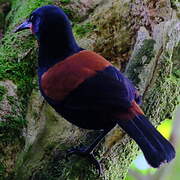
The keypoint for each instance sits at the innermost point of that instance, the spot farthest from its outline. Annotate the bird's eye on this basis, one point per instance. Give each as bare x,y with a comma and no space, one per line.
31,18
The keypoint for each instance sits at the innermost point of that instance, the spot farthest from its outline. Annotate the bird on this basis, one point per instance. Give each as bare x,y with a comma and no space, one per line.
87,90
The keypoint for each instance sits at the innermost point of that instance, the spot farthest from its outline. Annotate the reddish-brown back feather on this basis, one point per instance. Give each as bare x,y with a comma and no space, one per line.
67,75
130,114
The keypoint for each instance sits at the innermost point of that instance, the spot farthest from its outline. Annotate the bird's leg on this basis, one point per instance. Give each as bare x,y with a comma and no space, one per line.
88,152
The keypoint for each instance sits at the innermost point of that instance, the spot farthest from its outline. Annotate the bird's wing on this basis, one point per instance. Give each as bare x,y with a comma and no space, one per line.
86,78
67,75
103,91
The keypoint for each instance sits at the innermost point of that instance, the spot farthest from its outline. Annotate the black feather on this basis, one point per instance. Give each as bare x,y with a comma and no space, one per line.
157,150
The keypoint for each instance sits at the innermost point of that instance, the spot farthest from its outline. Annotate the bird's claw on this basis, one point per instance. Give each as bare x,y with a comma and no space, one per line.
89,156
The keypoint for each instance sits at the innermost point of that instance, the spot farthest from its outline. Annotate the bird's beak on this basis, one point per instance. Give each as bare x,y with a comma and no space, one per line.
25,25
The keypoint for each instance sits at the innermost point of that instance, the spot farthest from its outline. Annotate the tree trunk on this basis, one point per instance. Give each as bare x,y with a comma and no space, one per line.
140,37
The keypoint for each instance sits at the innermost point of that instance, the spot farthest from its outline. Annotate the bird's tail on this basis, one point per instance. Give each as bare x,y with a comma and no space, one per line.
156,149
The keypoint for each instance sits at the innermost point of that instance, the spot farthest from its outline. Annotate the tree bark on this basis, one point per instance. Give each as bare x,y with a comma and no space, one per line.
140,37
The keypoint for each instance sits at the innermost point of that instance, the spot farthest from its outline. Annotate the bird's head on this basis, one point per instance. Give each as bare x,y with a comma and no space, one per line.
53,30
46,20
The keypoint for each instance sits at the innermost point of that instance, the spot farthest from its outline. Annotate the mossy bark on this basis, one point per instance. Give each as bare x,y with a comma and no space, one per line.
138,37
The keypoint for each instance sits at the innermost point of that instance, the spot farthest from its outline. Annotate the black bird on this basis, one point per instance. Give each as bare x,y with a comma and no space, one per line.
87,90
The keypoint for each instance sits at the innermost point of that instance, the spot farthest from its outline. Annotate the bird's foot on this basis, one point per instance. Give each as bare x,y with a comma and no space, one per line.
89,155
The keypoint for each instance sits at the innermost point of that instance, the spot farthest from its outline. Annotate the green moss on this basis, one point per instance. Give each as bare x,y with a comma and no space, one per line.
57,166
1,20
78,168
11,100
18,64
81,30
176,63
146,50
74,18
166,89
68,12
174,3
2,170
65,1
3,91
18,59
11,128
